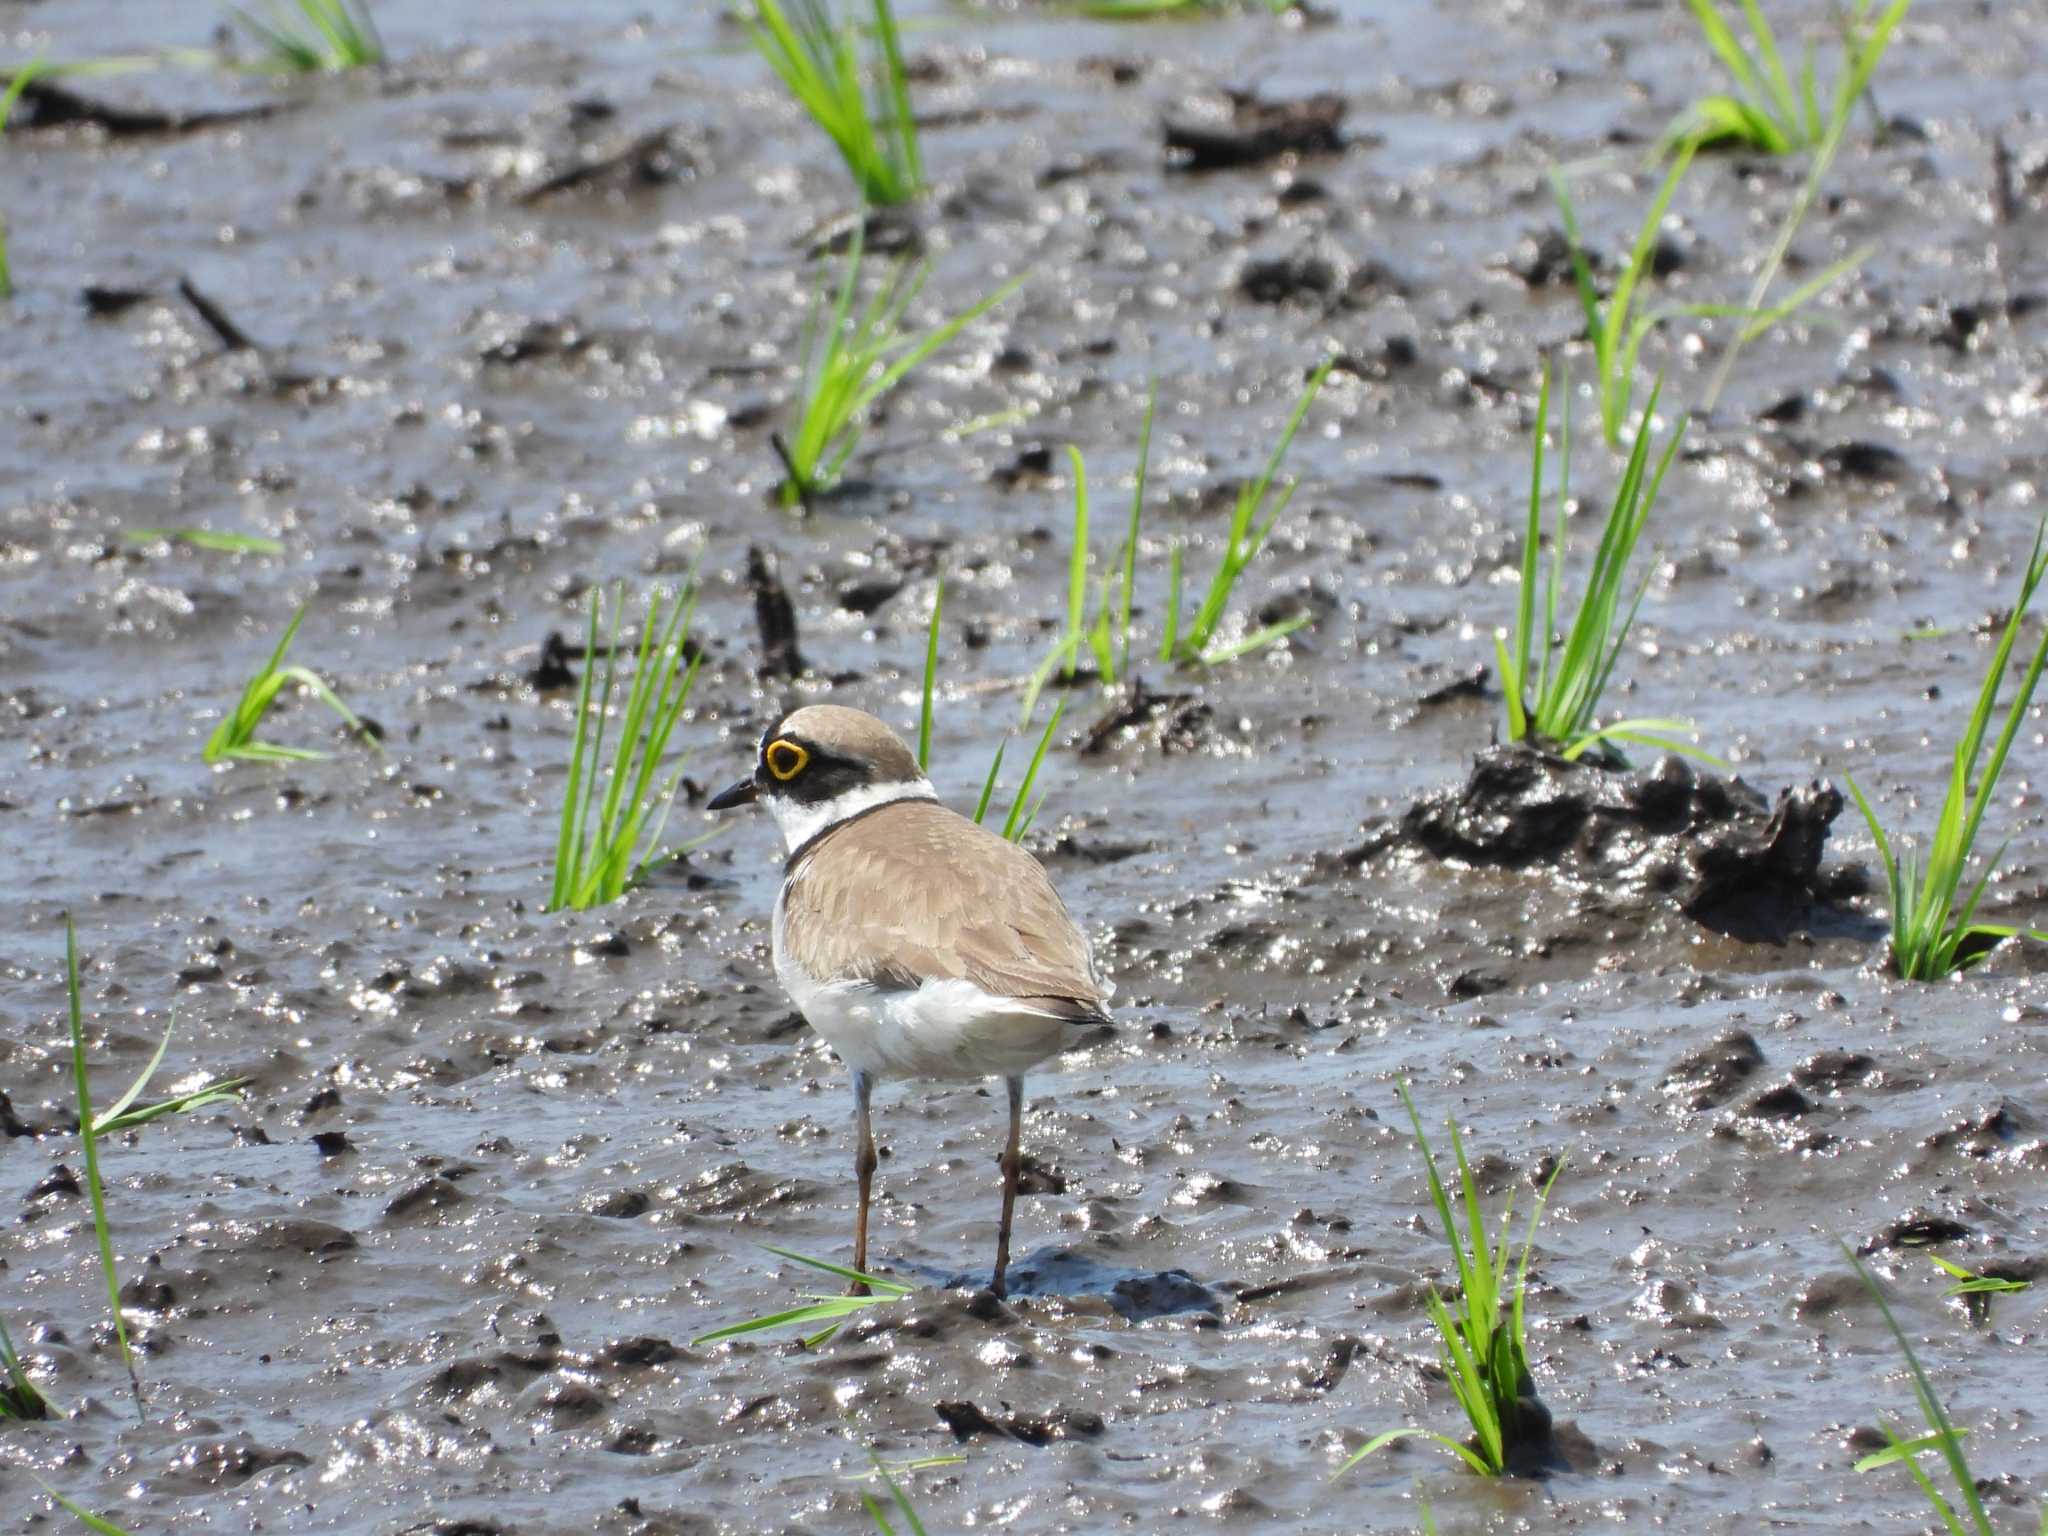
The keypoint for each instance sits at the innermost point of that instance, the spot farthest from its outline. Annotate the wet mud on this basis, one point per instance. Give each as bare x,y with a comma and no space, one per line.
519,317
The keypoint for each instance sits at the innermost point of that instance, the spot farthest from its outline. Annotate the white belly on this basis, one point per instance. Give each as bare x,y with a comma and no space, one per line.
949,1029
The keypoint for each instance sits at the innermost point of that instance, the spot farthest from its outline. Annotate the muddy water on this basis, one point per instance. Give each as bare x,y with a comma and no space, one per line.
498,1167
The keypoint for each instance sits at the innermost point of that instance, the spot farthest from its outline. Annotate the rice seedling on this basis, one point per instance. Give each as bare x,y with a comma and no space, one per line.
88,1139
851,360
819,1307
1108,636
1485,1354
1973,1286
1616,331
235,736
607,845
120,1116
1556,706
1023,809
818,62
20,1397
1942,1437
1193,642
1867,52
308,37
207,539
1974,1290
22,76
1933,932
1766,112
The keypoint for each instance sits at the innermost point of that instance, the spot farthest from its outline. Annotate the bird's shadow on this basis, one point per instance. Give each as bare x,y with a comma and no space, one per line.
1136,1294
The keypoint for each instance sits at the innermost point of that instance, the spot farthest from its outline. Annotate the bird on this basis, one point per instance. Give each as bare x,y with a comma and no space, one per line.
917,943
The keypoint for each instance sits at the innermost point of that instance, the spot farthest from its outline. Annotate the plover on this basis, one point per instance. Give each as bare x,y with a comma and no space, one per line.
917,943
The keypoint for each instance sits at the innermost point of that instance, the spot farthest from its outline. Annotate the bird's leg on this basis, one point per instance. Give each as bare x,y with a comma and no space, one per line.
1013,1163
864,1161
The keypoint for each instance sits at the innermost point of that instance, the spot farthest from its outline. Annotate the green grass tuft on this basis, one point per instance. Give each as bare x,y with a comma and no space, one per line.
1616,331
818,1307
1975,1290
606,845
1556,704
307,37
1873,38
1193,641
1483,1345
1934,926
818,61
235,736
1767,112
1107,637
120,1116
851,360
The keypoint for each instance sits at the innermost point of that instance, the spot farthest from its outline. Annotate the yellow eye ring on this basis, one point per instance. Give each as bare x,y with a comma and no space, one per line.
785,759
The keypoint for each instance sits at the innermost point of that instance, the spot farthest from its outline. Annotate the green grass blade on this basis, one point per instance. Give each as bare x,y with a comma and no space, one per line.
1617,386
1948,1438
1077,560
1130,551
988,785
1720,37
1511,689
91,1521
1388,1437
88,1141
1169,646
207,539
912,1525
1018,822
1582,273
931,672
569,831
902,122
115,1110
21,1398
1783,100
1258,639
1532,538
930,341
840,1271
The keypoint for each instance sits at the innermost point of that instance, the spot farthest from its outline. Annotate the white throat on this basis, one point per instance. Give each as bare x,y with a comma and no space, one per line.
801,823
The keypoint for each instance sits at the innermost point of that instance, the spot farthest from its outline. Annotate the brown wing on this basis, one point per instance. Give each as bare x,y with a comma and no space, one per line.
915,891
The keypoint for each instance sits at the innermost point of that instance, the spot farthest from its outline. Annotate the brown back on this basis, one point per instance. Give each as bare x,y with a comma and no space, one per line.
913,891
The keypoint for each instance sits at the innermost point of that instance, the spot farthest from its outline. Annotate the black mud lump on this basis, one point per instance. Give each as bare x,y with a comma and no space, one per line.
1726,856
